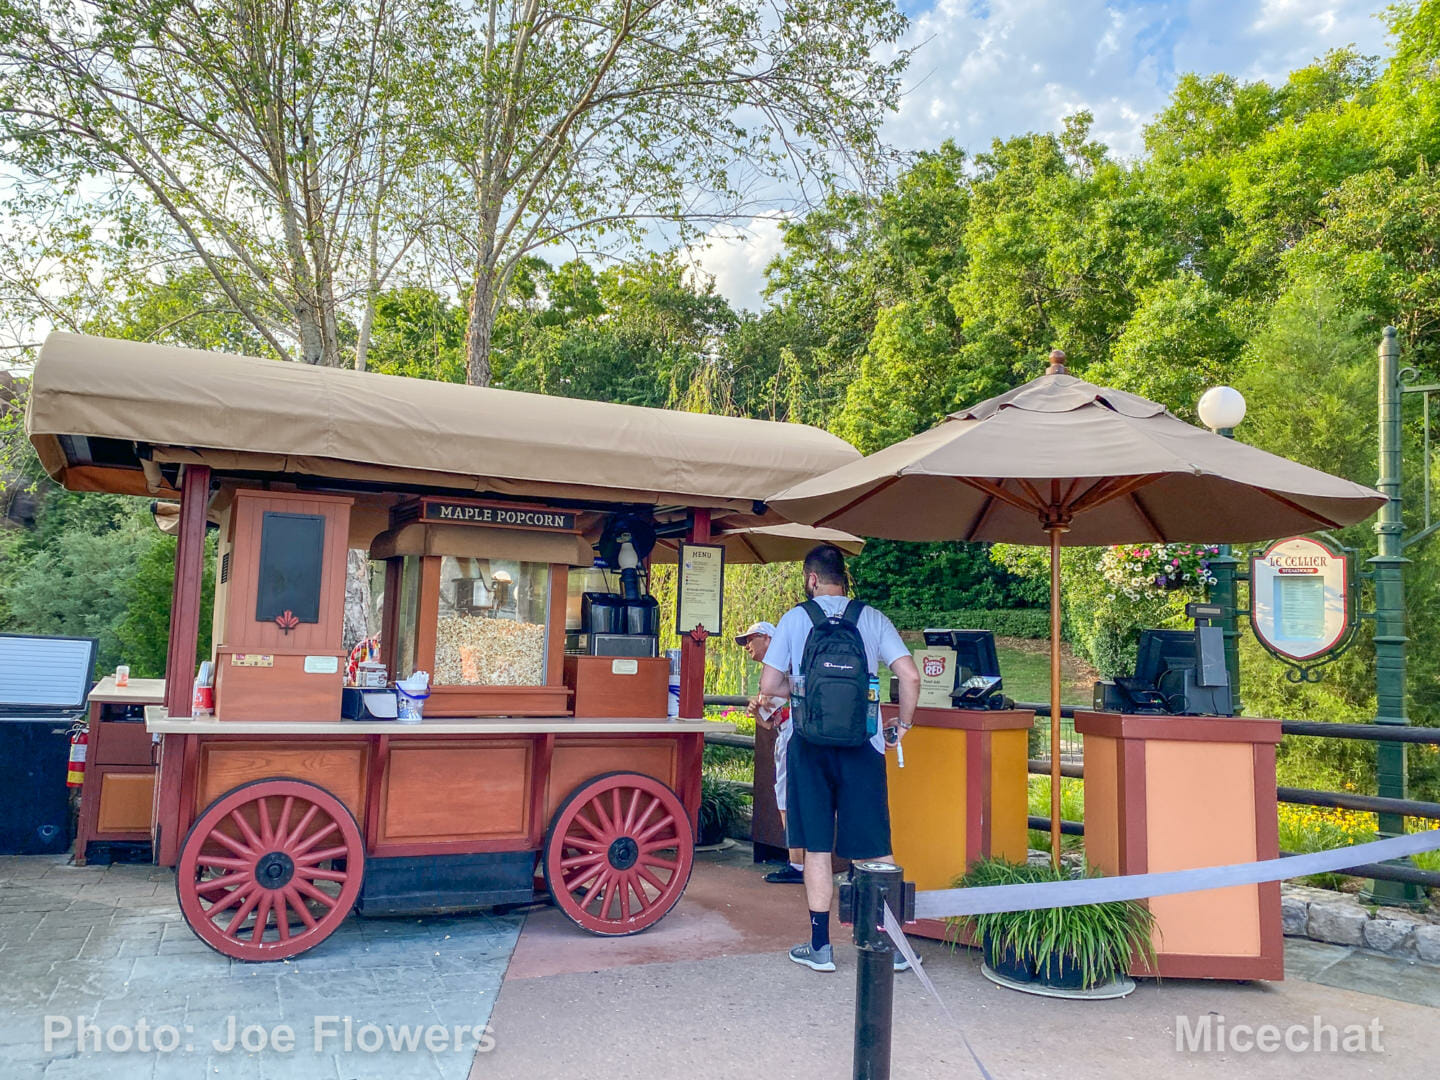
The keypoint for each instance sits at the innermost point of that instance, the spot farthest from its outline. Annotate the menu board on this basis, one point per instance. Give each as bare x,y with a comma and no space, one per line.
1300,598
700,588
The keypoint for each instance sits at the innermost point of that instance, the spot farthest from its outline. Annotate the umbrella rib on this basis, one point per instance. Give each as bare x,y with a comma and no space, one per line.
994,490
1034,492
1300,509
857,500
980,518
1155,529
1119,490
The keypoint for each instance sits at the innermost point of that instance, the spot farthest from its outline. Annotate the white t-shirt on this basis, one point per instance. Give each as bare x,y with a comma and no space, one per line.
882,641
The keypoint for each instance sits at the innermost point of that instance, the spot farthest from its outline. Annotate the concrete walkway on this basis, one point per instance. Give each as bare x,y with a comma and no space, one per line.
707,993
106,946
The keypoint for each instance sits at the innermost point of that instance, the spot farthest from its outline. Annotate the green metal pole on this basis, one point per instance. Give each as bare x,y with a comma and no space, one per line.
1224,592
1389,577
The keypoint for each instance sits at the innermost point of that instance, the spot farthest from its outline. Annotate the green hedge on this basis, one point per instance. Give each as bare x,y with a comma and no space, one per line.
1003,622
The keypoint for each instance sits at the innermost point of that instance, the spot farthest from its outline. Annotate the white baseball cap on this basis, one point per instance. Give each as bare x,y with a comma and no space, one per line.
768,629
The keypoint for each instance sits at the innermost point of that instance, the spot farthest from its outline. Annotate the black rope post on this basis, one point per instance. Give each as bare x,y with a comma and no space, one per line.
874,885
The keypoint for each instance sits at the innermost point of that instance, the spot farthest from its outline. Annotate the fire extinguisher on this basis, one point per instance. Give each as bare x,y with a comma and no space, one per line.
79,740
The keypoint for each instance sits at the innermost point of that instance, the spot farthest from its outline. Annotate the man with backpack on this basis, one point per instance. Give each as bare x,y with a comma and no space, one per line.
824,656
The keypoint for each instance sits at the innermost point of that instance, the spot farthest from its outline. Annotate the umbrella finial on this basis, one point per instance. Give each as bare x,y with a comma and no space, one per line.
1057,363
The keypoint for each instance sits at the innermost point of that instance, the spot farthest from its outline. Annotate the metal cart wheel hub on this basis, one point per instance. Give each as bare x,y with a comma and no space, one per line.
623,853
274,870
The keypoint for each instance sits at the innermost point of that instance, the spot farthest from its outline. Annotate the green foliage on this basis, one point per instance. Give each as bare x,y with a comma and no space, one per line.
144,632
95,566
895,575
1002,622
721,806
1096,939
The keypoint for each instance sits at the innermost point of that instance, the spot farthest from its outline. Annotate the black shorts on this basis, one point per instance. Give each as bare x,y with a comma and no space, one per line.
837,800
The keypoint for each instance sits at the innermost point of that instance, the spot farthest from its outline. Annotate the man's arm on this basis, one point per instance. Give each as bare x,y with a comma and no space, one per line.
775,683
904,669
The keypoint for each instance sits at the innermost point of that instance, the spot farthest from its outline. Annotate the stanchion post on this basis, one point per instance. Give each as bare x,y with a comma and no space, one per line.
874,885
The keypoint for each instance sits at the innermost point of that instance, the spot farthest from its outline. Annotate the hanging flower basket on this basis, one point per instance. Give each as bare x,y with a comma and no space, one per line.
1140,569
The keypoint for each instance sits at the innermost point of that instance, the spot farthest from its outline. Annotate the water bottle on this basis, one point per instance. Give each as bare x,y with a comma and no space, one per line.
872,706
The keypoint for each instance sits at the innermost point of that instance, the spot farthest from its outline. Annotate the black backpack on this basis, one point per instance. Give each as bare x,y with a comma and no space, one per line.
836,706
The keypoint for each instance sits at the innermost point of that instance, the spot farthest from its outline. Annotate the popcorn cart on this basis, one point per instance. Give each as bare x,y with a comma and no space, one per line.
287,794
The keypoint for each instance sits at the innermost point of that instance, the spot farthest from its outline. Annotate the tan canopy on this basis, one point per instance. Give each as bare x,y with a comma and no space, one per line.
104,414
764,544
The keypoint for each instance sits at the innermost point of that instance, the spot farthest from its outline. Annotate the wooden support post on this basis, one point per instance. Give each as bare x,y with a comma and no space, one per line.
692,652
185,597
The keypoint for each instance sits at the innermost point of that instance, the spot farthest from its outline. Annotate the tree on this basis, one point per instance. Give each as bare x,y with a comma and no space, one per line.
263,140
584,124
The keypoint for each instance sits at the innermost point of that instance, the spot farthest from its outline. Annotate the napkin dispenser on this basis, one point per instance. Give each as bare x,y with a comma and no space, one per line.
368,703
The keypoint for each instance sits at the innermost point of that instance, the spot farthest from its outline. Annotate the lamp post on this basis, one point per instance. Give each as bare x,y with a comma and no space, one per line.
1221,409
1388,574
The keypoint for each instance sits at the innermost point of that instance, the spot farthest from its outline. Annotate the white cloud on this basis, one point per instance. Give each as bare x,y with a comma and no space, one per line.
997,69
989,69
736,257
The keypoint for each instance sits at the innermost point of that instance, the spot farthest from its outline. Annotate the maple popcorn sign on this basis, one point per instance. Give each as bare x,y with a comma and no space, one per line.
1300,594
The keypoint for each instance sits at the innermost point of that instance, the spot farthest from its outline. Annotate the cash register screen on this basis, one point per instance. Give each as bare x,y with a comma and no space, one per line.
974,650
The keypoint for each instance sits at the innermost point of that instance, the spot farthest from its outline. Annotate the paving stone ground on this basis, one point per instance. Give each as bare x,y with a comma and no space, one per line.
106,946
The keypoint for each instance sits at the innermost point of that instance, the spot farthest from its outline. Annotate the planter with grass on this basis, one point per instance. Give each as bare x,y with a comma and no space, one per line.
721,808
1082,950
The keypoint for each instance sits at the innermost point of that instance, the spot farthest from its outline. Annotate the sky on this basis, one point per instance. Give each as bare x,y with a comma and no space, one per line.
989,69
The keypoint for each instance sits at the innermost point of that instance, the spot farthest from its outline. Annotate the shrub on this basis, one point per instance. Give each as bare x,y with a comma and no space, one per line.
1003,622
1095,939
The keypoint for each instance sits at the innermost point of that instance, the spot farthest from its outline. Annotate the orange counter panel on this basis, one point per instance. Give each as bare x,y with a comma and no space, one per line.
962,794
1181,792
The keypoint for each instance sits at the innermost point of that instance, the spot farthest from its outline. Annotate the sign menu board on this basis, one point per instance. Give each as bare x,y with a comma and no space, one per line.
1300,598
701,588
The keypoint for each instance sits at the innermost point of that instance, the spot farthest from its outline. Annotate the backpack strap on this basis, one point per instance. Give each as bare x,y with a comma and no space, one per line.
852,612
816,613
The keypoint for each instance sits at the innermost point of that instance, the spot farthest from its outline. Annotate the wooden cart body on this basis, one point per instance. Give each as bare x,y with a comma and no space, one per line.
279,816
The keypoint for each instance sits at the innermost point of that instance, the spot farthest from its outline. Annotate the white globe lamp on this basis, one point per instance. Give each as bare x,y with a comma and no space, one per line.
1221,408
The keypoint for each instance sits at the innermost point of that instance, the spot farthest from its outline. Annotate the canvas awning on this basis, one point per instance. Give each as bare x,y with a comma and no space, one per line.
105,414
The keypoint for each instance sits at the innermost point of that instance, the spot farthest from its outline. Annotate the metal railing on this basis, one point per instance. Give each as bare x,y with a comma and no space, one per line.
1339,800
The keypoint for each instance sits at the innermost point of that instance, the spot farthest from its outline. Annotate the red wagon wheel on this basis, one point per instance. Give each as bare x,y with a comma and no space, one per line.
618,854
270,869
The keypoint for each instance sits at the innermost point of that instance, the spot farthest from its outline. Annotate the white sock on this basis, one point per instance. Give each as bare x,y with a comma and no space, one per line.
798,866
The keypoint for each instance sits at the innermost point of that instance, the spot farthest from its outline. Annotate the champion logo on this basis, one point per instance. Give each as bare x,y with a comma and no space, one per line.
837,667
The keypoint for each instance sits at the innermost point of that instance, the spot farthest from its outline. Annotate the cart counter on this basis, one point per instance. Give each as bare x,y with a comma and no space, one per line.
158,722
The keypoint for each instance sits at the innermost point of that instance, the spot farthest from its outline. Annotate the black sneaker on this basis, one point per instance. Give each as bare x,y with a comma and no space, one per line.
787,876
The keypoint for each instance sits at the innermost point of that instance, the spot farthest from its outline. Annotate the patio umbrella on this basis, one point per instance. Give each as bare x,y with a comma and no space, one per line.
765,544
1062,461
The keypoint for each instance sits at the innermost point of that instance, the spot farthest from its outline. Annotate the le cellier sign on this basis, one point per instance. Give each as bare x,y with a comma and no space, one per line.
500,515
1301,603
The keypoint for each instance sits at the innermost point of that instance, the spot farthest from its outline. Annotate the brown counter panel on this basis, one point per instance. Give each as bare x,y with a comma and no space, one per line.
126,794
284,691
438,792
337,766
576,760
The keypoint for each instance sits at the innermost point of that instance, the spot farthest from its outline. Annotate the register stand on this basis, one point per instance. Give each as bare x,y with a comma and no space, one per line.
1181,792
961,795
963,792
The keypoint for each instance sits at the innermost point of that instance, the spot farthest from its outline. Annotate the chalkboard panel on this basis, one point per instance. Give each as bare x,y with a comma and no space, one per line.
292,551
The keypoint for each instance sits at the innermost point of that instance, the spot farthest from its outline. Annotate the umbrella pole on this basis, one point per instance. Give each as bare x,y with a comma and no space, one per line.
1055,697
